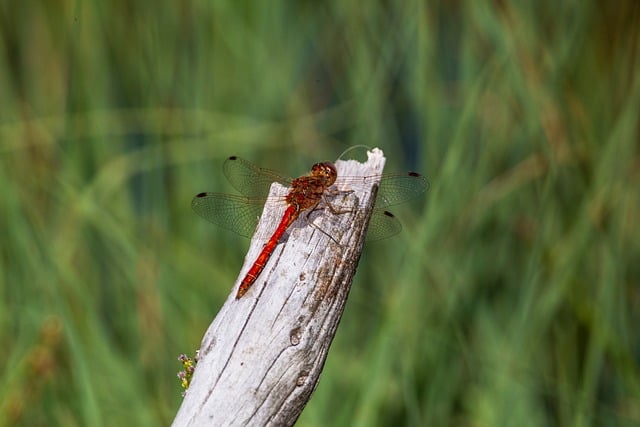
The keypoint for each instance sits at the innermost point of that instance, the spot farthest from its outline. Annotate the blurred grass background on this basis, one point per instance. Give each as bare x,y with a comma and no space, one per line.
512,297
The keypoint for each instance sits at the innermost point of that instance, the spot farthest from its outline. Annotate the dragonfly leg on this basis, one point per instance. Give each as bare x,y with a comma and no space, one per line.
334,210
307,218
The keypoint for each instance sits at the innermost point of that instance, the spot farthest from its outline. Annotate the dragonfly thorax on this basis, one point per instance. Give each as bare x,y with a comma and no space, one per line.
306,191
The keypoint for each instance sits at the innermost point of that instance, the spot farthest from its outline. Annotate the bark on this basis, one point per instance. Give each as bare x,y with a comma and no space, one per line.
262,356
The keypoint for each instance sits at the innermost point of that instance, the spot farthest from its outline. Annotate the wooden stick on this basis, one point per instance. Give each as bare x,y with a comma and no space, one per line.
261,358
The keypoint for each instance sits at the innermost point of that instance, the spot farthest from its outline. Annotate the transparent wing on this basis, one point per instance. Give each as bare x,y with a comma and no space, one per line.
399,188
383,224
236,213
394,188
249,179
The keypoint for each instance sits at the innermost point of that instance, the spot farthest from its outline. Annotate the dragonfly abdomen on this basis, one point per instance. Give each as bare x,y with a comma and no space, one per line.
290,215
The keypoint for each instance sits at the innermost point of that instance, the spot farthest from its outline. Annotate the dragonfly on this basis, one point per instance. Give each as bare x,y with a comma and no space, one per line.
240,213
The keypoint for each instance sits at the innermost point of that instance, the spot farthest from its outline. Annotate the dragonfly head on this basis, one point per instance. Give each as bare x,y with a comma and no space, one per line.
325,170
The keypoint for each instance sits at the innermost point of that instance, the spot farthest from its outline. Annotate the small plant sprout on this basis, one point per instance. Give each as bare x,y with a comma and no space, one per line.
189,365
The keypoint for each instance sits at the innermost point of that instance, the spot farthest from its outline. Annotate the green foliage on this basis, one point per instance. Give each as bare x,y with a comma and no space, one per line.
511,298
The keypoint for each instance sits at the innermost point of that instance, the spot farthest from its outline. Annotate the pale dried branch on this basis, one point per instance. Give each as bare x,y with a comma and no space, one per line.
261,358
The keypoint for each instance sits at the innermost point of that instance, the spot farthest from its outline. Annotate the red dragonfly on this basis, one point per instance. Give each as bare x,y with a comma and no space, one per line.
240,213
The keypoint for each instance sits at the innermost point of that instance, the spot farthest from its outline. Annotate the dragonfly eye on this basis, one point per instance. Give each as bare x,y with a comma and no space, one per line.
325,168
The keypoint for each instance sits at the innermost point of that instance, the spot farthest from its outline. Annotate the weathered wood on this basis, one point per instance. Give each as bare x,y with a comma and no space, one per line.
261,358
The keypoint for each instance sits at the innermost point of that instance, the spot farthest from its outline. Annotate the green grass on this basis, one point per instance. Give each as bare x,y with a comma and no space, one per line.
512,297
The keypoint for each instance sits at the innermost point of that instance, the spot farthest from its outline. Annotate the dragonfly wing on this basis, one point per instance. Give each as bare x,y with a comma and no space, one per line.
382,224
249,179
235,213
399,188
